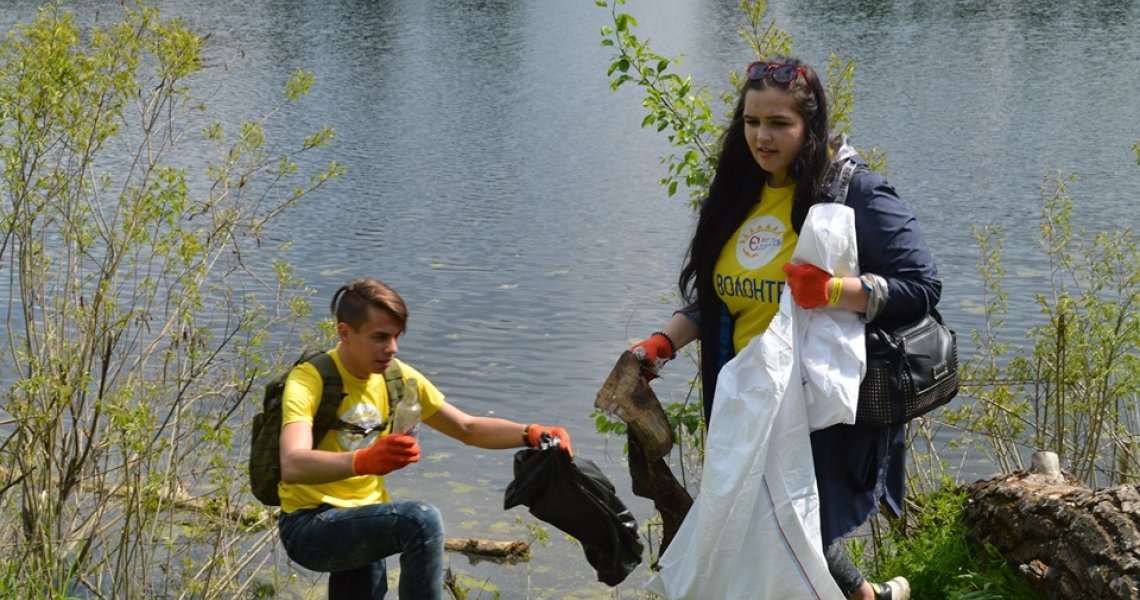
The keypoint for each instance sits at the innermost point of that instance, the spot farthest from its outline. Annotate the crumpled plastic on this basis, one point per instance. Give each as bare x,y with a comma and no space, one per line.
832,347
574,495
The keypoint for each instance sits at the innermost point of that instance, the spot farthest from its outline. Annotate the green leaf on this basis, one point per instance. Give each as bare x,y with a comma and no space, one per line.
299,85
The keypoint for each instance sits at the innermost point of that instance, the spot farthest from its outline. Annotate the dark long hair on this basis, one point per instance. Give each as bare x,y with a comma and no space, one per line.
735,189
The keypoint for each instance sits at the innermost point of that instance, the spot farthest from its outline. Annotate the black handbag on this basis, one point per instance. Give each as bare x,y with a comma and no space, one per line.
910,372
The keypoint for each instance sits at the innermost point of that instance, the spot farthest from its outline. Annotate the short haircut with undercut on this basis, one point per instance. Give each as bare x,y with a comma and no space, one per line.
350,303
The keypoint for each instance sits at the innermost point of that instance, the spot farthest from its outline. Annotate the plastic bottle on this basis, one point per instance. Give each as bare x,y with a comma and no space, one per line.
406,417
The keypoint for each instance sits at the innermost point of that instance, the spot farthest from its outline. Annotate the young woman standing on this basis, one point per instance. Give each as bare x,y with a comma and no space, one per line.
774,159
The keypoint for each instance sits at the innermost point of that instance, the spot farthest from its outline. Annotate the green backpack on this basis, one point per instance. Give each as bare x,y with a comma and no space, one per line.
265,441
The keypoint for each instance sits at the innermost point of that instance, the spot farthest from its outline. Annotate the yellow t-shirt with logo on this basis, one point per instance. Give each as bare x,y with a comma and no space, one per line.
749,275
365,404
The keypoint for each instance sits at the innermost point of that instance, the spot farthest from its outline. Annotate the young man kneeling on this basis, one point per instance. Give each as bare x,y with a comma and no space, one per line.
336,513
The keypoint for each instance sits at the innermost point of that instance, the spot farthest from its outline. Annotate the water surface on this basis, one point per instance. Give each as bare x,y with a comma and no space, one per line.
497,183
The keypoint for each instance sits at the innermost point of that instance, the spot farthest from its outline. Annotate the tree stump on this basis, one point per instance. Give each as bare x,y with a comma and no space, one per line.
1066,540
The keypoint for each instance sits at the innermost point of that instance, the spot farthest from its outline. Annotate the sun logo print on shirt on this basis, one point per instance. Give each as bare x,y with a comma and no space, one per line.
759,242
365,416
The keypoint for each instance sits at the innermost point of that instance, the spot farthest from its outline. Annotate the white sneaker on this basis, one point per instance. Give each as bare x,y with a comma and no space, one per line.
897,588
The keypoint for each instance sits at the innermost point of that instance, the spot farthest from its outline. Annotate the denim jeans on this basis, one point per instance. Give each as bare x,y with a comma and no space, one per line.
843,569
351,544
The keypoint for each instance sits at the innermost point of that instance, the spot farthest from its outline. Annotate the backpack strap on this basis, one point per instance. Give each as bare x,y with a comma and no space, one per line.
332,392
394,379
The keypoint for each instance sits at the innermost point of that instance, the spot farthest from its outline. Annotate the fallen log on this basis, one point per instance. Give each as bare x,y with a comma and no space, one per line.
1066,540
254,516
508,550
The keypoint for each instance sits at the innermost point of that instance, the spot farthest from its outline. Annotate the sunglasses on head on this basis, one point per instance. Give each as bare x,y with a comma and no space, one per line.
780,73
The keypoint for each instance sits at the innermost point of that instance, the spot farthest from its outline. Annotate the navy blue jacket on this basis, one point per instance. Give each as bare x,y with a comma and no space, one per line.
892,246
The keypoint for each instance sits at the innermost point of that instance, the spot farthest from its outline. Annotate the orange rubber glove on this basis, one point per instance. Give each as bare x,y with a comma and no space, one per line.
809,283
536,435
654,352
387,454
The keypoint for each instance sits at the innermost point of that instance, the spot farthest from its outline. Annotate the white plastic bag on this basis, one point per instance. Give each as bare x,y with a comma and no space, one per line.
833,352
753,531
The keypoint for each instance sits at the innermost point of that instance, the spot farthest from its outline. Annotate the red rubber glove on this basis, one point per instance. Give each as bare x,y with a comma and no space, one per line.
537,434
654,352
809,284
389,453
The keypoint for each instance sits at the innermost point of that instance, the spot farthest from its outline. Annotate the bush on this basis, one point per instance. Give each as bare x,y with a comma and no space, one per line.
938,560
134,324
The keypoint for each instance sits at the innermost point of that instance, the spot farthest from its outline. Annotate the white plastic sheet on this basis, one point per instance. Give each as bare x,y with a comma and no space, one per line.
753,531
832,349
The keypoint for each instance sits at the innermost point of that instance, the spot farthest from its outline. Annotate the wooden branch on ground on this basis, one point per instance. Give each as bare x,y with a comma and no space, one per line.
252,516
515,550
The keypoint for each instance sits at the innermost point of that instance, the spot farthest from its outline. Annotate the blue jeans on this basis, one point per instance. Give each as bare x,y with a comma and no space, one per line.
351,544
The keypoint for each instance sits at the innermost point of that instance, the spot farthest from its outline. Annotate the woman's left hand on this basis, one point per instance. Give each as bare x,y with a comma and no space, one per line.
810,284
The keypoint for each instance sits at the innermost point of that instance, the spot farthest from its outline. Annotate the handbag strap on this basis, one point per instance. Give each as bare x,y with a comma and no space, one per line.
841,180
843,166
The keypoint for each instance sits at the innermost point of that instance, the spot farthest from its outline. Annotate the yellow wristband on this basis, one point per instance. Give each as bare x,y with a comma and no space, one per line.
836,291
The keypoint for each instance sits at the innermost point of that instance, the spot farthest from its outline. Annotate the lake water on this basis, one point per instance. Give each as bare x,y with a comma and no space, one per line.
497,183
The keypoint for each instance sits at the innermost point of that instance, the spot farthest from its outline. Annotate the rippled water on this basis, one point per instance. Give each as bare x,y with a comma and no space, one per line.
499,185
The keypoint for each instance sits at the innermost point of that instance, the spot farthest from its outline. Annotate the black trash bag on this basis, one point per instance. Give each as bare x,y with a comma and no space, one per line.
573,495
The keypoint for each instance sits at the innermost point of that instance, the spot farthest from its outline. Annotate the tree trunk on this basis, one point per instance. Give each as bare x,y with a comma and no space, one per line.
1066,540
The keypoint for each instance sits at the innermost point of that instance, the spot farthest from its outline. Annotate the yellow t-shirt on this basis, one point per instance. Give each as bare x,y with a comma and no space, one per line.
749,275
365,404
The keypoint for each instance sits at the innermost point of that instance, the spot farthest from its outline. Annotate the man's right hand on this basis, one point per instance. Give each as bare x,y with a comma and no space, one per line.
389,453
654,352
